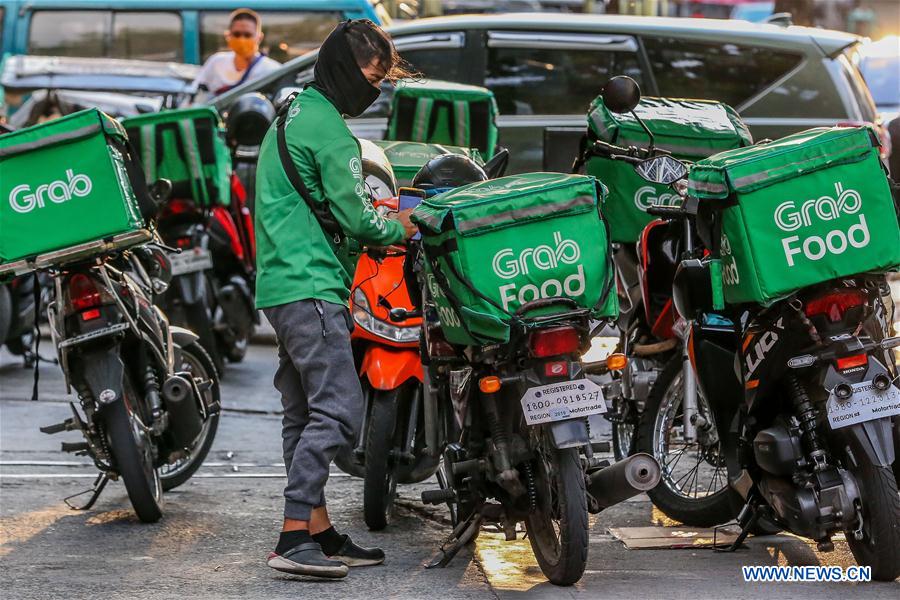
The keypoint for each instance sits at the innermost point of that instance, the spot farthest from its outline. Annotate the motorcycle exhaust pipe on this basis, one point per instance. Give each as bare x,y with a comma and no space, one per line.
623,480
184,414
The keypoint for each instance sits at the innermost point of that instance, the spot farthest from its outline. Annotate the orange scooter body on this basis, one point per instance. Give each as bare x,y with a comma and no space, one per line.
386,362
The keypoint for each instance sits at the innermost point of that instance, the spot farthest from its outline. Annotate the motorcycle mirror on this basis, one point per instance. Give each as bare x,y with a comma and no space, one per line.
496,167
621,94
662,169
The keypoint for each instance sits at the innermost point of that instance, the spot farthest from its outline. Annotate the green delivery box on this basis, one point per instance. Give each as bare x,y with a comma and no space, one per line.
689,129
407,158
62,183
186,146
495,245
804,209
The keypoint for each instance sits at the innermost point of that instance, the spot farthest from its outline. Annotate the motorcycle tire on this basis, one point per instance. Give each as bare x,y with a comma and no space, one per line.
237,350
197,360
699,511
562,559
130,455
624,438
380,479
880,546
197,319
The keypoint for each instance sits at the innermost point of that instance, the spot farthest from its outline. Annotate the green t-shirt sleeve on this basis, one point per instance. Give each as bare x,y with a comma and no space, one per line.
340,167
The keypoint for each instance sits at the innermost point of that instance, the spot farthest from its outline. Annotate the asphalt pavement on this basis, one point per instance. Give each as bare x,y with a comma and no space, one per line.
218,527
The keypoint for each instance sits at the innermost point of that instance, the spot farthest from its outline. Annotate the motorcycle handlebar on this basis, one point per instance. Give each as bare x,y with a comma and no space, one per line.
667,212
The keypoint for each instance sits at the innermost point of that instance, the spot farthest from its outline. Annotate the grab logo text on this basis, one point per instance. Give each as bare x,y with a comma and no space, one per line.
508,264
646,196
23,200
790,217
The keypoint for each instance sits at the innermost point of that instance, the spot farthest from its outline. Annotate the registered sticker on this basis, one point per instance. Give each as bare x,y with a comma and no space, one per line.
561,401
865,404
190,261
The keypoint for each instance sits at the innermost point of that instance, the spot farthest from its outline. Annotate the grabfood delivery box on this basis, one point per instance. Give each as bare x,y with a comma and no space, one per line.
495,245
804,209
63,183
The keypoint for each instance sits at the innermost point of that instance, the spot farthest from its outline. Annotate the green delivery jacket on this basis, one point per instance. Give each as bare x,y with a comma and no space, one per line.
295,258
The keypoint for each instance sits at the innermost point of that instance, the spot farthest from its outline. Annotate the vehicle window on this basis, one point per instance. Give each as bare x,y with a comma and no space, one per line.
288,34
69,32
858,88
435,63
147,36
553,81
882,73
727,72
1,29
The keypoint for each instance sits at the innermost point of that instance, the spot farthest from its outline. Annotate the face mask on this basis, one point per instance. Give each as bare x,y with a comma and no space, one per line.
339,77
243,46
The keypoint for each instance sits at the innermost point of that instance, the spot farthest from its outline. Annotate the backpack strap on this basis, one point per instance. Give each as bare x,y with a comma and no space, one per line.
422,120
321,210
192,157
462,125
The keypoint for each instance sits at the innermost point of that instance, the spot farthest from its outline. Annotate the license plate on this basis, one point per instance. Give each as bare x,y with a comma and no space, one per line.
866,404
561,401
190,261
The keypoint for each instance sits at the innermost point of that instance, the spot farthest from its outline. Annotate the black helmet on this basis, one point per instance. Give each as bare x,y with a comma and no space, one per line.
249,119
448,171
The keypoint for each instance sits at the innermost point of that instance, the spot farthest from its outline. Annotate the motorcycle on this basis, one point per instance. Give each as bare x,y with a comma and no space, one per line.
781,380
656,405
213,275
17,312
390,446
498,468
148,391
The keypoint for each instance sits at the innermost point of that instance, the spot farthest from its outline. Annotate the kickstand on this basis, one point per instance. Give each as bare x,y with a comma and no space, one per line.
95,491
462,535
746,519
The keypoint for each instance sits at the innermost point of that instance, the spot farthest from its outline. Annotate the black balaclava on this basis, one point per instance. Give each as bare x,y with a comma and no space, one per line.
339,77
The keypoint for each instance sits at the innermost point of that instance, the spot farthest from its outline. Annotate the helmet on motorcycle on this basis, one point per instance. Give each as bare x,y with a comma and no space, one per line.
448,171
248,120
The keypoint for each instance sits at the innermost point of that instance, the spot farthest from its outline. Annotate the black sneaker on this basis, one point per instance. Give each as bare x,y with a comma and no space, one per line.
308,559
356,556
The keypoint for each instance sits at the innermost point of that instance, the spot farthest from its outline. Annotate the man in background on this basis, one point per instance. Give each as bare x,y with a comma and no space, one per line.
243,61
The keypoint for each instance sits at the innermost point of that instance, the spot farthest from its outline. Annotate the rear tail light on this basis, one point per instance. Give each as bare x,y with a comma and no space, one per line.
555,342
835,304
83,292
184,242
849,362
86,296
178,206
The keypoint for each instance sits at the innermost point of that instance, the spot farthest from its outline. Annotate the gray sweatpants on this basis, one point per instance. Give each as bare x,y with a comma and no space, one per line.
320,392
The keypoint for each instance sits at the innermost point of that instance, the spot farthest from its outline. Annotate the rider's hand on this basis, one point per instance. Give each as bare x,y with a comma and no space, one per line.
408,226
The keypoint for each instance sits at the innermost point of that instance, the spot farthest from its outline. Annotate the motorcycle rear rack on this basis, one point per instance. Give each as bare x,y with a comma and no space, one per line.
93,335
77,252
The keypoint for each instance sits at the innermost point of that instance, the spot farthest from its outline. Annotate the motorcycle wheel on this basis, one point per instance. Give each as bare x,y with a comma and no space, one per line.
558,529
132,453
380,480
237,350
197,362
197,319
694,492
624,433
880,546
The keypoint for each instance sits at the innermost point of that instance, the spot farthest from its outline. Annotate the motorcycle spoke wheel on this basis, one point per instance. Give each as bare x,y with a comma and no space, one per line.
693,486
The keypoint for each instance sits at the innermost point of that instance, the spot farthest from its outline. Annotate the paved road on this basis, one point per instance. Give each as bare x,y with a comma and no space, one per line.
218,527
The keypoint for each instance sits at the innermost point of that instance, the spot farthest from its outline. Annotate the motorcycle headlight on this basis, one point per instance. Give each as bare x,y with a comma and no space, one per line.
363,316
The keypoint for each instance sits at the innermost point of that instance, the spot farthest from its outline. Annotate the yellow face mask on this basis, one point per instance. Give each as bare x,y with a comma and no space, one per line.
244,47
